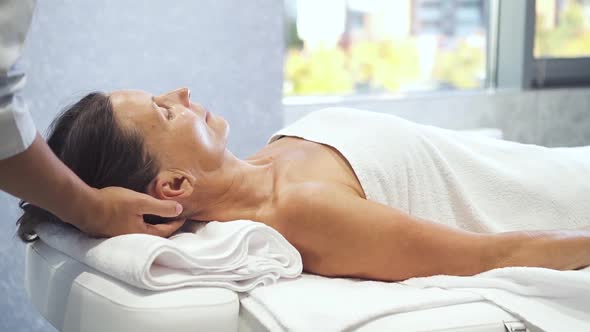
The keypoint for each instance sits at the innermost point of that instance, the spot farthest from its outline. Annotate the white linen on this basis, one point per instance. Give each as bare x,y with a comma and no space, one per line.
314,303
547,299
464,181
458,179
238,255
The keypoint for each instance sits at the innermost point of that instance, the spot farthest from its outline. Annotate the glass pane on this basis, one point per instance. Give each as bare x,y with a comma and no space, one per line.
562,28
343,47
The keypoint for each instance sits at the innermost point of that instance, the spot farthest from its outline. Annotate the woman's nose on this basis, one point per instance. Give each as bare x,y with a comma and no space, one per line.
179,96
184,96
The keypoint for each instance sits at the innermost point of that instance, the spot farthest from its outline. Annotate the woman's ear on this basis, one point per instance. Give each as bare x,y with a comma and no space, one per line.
172,185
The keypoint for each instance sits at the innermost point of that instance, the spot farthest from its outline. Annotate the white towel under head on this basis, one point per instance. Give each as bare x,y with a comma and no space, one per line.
238,255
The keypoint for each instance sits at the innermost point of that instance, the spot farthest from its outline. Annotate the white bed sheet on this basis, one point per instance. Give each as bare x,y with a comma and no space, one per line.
341,304
473,317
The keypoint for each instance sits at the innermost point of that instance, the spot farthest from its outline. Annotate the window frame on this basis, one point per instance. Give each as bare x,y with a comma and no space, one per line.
515,65
561,72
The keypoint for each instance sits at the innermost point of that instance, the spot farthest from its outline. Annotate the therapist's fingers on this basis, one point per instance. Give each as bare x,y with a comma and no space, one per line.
151,205
166,229
117,211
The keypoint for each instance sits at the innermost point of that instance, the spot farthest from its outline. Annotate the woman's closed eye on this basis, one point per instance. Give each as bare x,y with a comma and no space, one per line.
168,114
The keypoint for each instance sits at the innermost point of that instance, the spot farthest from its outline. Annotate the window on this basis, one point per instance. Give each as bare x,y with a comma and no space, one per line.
351,47
561,43
562,28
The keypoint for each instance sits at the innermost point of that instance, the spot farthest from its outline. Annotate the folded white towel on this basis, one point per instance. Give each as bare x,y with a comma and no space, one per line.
238,255
547,299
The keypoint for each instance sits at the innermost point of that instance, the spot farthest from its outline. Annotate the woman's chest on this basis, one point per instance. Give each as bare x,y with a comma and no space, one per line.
304,161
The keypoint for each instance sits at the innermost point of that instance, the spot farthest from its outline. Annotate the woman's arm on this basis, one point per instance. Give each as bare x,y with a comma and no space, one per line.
341,234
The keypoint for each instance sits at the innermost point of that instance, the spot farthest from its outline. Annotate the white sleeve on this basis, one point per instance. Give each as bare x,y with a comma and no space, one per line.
17,130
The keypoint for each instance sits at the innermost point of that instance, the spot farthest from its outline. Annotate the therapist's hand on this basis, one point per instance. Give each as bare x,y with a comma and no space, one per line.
117,211
40,178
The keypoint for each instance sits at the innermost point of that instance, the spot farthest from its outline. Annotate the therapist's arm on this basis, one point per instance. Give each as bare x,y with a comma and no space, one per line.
40,178
30,170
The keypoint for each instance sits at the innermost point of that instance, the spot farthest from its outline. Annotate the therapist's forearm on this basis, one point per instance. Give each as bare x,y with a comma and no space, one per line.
39,177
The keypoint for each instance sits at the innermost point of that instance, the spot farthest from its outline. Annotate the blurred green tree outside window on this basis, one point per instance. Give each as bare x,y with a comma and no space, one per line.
385,46
562,28
388,46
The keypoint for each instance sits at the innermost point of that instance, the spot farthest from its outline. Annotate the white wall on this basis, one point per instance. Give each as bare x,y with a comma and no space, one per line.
228,52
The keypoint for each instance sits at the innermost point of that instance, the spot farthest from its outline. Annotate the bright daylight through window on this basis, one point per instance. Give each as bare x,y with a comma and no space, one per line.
562,28
344,47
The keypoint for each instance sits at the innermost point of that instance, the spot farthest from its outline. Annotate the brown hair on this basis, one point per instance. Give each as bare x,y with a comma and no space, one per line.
87,138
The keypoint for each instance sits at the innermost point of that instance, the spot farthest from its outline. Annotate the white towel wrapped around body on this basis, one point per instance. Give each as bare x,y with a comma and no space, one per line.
458,179
238,255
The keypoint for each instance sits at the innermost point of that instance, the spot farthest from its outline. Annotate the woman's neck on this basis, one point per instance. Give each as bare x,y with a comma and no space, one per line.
246,192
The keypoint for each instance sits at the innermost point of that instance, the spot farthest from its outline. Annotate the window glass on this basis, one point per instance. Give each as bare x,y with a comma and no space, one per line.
562,28
342,47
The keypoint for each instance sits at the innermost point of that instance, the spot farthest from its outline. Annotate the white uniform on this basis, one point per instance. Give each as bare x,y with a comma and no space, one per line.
17,130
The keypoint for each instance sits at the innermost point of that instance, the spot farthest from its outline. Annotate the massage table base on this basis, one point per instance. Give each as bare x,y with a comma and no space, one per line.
75,297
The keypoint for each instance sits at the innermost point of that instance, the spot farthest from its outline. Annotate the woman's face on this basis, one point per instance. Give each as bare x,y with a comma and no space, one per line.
180,134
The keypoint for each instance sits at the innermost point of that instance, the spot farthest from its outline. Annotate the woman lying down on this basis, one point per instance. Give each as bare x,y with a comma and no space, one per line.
359,194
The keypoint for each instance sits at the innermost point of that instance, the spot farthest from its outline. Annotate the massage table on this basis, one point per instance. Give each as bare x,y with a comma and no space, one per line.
75,297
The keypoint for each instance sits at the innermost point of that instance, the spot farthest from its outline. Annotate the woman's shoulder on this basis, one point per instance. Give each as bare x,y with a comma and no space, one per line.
301,199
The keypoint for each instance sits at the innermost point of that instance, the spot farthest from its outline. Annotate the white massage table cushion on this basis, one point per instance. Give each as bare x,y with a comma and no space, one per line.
74,297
